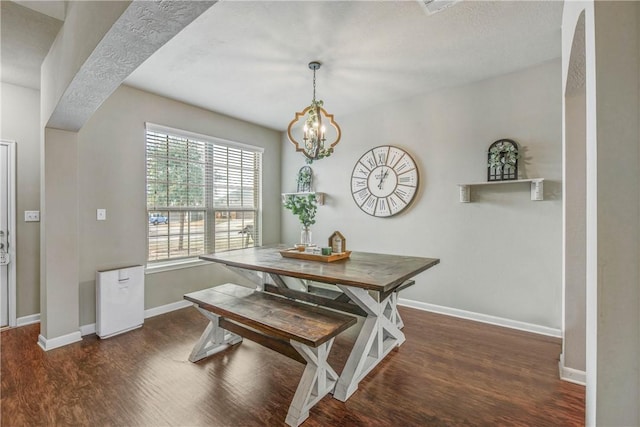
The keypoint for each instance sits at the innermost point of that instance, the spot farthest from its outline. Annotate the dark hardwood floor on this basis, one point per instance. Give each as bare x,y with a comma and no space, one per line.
449,372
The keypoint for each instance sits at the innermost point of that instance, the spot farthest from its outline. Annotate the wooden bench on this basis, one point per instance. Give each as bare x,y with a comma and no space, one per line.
301,331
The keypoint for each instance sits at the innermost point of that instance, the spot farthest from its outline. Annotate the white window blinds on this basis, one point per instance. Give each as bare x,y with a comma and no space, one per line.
203,194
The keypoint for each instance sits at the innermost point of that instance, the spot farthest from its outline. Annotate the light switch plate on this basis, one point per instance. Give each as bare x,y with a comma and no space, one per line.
101,214
31,216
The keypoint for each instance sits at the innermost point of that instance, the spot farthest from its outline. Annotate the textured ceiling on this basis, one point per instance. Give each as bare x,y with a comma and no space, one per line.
249,59
26,37
139,31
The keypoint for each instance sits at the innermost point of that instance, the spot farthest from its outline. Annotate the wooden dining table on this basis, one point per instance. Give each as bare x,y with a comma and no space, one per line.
368,284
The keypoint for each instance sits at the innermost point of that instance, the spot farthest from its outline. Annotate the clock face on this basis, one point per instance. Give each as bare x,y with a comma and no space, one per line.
384,181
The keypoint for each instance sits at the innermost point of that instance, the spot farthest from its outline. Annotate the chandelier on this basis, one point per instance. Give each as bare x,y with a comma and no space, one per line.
311,137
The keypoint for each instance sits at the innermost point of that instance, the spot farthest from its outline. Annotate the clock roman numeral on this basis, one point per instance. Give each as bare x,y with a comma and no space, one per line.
371,202
362,195
382,207
405,179
371,162
369,206
362,170
400,167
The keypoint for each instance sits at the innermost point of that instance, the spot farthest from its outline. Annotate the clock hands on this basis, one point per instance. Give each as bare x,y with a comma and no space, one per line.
383,176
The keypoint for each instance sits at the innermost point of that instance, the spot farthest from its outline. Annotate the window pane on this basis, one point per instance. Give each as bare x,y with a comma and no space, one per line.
188,180
158,247
235,230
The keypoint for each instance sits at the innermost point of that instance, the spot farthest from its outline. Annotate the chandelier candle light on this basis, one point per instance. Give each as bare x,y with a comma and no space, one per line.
314,131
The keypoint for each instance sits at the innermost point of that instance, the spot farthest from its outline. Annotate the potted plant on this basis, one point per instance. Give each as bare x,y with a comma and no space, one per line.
304,207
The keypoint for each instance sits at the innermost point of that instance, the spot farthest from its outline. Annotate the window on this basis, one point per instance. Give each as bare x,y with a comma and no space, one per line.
203,194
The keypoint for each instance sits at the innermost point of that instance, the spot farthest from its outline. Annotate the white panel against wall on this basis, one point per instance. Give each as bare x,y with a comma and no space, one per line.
119,300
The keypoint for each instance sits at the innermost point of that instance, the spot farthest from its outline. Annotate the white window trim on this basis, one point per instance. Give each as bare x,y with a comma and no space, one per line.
178,264
198,136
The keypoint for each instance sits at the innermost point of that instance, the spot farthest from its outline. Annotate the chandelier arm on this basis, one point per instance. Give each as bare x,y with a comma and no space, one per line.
335,126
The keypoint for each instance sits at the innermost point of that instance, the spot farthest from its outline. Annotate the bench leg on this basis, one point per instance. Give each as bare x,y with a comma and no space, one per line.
213,340
379,335
318,380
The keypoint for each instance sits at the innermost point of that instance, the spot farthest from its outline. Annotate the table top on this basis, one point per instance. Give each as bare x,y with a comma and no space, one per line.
378,272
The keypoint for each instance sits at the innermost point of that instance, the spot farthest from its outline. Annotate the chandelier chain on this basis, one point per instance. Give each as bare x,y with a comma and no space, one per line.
314,85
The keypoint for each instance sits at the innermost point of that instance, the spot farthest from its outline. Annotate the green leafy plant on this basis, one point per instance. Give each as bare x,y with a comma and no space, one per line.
304,207
501,155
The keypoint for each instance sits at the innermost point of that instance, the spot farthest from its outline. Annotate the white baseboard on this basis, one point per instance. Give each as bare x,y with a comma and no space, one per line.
571,375
88,329
484,318
51,343
156,311
28,320
152,312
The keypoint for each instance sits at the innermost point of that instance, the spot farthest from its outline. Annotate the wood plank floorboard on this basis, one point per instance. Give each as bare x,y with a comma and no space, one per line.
449,372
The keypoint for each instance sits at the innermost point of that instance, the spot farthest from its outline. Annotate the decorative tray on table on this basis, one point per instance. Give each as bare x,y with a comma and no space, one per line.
295,253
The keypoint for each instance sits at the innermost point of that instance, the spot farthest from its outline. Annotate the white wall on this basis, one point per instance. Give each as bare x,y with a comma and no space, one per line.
500,255
20,123
112,171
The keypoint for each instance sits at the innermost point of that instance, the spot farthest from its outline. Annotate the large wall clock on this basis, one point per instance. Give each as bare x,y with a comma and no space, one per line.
384,181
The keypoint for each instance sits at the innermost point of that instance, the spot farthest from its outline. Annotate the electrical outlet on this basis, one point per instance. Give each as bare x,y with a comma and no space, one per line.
101,214
31,216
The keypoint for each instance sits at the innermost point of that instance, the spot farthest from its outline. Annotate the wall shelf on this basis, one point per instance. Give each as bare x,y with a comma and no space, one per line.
319,196
537,188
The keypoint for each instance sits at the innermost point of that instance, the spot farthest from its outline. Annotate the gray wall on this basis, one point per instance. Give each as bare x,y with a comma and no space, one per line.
575,335
20,123
111,158
59,237
617,170
612,104
501,254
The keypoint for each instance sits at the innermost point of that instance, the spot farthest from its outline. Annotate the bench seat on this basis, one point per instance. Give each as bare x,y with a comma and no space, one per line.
302,331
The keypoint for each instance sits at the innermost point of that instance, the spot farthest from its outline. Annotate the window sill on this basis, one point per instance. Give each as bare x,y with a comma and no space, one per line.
174,265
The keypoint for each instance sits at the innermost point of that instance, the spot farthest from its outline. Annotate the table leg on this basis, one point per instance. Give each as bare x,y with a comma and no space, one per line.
318,380
379,335
395,316
213,340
